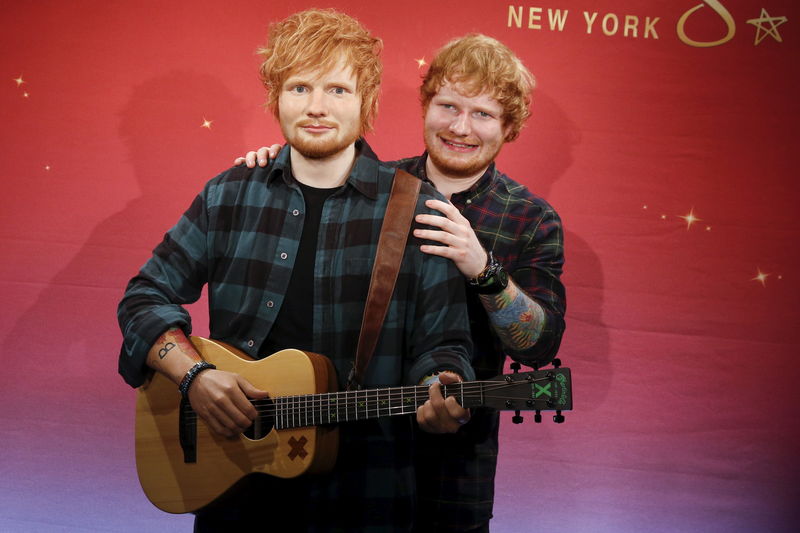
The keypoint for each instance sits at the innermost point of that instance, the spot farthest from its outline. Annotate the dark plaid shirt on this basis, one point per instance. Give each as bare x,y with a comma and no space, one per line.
456,472
240,237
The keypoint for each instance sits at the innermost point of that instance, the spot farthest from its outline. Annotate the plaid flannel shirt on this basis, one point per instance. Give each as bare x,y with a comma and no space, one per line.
456,472
240,237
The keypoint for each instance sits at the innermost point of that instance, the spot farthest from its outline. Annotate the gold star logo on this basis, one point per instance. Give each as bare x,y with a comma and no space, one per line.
19,81
421,62
762,30
761,277
690,219
206,123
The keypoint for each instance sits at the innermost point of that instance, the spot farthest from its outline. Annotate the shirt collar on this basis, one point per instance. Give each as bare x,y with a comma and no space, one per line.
362,176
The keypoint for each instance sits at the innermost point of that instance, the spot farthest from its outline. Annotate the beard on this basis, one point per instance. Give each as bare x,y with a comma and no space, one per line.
319,148
460,167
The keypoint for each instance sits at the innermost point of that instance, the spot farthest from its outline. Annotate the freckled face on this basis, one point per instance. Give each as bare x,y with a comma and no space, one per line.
320,113
463,134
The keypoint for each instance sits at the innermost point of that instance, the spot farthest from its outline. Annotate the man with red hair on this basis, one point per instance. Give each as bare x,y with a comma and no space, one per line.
506,242
286,253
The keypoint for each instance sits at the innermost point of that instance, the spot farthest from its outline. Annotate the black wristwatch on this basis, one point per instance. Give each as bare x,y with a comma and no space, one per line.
492,279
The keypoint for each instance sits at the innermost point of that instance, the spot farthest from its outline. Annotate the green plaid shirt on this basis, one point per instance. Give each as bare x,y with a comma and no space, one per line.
239,238
456,472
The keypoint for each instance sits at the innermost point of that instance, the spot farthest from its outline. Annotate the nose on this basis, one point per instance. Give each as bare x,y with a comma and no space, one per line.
461,125
316,104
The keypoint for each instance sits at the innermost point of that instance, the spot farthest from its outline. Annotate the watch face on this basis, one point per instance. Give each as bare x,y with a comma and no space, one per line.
495,282
502,277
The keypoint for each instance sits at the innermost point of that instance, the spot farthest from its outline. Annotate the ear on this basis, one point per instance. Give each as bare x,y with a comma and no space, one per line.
508,134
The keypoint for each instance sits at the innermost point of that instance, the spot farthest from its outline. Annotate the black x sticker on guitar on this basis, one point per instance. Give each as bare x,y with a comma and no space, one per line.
298,448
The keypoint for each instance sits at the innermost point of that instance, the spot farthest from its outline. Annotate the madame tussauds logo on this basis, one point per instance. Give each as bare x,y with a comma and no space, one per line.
645,27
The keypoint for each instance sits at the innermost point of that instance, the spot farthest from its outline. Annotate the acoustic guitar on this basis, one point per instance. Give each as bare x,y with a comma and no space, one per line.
183,466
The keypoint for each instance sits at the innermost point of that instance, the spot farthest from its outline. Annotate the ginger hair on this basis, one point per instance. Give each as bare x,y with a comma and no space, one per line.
318,39
480,64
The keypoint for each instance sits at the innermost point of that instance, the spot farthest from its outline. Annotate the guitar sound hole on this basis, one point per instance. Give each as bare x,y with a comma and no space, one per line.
264,422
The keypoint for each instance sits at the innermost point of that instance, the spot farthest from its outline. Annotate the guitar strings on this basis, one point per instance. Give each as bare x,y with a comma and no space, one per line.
471,390
363,403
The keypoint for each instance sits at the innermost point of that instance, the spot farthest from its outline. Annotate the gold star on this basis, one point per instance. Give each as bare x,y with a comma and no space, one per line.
19,80
644,206
206,123
708,228
762,31
761,276
663,217
421,62
690,219
25,94
47,167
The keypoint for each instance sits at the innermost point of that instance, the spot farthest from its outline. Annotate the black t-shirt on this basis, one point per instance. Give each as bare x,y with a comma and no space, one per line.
293,327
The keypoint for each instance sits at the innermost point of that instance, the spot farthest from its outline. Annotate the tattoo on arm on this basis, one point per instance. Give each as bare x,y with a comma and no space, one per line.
171,339
162,353
185,344
517,318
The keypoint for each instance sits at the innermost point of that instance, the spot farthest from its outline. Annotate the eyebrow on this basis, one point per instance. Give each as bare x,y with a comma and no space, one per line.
305,80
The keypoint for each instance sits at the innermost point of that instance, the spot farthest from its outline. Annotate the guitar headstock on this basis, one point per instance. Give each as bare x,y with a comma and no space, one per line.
537,390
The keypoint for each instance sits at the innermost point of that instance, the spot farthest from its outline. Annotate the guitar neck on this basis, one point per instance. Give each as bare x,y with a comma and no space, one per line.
542,390
336,407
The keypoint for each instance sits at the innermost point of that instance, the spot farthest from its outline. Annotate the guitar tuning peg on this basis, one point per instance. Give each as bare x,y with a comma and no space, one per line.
537,417
517,419
556,362
515,367
558,418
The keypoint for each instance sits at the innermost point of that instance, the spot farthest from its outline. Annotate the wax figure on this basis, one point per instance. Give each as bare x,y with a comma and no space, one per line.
286,252
506,242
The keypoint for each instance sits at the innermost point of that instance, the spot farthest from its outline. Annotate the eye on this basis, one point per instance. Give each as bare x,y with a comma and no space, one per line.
299,89
483,114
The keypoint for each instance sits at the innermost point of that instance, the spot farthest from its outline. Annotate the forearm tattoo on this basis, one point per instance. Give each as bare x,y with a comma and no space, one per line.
171,339
517,318
162,353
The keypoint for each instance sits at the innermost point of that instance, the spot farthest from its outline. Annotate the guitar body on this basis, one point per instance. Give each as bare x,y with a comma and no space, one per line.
183,466
177,486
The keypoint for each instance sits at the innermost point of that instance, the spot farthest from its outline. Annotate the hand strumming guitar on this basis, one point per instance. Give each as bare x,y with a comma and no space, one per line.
219,397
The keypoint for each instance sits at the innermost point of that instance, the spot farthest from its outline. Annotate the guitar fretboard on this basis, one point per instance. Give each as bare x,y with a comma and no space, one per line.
329,408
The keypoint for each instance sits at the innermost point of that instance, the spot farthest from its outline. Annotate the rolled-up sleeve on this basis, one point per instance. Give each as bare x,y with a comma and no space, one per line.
172,277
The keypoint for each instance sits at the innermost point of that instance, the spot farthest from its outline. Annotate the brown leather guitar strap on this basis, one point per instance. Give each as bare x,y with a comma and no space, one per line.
391,245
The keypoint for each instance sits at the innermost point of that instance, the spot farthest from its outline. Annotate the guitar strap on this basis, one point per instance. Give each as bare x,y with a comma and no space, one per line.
391,245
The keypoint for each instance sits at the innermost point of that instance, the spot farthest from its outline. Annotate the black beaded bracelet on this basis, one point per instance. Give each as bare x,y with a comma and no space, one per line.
186,382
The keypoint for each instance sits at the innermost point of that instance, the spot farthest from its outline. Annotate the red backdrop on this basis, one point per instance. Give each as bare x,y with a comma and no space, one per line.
668,159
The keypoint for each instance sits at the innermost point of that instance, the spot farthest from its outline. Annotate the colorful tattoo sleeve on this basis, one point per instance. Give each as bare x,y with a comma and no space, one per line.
517,318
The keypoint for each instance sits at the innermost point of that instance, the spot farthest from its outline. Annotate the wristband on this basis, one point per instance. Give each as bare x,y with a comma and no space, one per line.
493,279
187,380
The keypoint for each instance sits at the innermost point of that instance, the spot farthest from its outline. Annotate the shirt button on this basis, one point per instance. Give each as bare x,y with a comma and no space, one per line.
250,343
284,255
468,202
270,303
295,212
